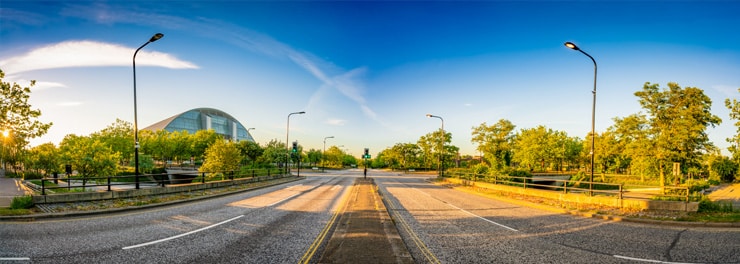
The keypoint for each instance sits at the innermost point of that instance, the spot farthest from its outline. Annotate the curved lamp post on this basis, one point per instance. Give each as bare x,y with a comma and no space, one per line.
440,168
287,143
136,125
593,114
323,151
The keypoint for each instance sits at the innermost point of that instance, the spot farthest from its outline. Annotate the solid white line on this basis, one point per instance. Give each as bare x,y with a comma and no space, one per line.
14,259
649,260
458,208
184,234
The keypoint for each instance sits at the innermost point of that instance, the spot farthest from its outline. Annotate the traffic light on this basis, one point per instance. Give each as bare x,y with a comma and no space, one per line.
367,154
295,146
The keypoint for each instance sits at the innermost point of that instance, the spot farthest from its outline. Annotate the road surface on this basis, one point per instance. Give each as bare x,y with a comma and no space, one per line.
290,223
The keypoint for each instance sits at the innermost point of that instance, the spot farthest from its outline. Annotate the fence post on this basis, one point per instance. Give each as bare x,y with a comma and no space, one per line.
565,187
43,187
109,183
252,173
203,178
621,190
268,172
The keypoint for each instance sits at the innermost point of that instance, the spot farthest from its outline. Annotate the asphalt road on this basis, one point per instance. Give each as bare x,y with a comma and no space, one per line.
287,223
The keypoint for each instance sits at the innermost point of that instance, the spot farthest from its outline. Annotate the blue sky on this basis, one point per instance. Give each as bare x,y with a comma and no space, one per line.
366,73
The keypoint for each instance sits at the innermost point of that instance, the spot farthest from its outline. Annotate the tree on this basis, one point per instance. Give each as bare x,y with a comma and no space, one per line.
633,135
119,136
17,118
734,107
89,157
250,150
44,159
274,152
314,156
495,142
723,169
201,140
221,156
678,119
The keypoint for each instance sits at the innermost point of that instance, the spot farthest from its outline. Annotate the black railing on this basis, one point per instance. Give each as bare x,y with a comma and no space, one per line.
82,184
619,191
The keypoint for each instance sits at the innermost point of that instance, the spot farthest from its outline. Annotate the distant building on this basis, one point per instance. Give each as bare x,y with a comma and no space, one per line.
205,119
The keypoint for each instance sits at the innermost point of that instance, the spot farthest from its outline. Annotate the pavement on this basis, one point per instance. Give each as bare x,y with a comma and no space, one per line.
727,193
10,188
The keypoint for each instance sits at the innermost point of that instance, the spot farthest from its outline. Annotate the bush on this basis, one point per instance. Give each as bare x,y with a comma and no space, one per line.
707,206
521,173
21,202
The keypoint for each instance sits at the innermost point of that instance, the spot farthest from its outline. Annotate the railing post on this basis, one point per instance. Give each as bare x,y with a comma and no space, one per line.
203,178
620,191
565,187
109,183
252,173
268,172
43,187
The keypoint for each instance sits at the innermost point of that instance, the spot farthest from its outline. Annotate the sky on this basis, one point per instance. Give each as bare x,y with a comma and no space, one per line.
366,73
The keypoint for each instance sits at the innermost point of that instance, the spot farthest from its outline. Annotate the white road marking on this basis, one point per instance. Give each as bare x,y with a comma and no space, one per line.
14,259
184,234
649,260
466,211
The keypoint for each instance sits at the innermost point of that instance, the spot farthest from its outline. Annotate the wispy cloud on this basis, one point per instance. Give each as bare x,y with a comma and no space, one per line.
345,82
88,54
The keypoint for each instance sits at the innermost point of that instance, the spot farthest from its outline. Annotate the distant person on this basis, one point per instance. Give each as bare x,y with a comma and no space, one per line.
365,172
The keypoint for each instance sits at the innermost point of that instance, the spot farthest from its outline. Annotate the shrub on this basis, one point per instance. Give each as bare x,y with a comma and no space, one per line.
708,206
21,202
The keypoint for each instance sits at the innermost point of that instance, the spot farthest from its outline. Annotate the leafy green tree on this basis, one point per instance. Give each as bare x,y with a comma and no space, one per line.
724,169
274,153
250,150
678,118
734,107
334,157
435,146
44,159
634,135
89,157
314,156
120,137
202,139
221,156
16,115
495,142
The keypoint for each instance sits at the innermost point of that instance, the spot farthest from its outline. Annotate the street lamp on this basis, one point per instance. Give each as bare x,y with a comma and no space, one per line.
324,151
440,168
287,143
136,125
593,116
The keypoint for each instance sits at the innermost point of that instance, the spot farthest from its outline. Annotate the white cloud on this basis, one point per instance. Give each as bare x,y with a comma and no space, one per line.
88,54
336,122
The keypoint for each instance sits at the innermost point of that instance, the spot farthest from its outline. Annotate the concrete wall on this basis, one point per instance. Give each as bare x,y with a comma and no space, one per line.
612,201
105,195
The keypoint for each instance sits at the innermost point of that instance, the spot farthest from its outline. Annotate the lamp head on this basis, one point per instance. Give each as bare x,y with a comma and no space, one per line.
570,45
429,115
301,112
156,37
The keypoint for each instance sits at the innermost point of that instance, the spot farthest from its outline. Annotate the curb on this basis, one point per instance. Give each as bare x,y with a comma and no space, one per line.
33,217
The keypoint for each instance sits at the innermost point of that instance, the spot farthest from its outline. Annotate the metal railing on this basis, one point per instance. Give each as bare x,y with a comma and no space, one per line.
620,191
82,184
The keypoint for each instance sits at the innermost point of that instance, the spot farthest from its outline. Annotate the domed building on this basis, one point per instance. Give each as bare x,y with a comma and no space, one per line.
205,119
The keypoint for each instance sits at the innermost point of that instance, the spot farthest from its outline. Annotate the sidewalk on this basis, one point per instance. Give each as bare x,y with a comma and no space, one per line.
365,233
728,193
9,188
